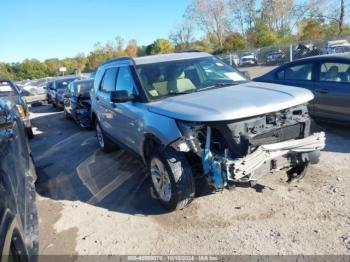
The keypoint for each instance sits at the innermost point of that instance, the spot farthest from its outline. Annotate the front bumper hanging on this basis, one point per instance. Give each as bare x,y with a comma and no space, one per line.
247,165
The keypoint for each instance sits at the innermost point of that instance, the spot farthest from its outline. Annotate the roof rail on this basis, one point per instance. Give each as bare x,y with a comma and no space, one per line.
123,58
189,51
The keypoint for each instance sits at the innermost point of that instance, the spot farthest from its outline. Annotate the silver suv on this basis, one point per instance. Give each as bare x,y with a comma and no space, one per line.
189,115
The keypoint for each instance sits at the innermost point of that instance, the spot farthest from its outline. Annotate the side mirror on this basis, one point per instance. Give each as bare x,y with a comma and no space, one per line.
121,96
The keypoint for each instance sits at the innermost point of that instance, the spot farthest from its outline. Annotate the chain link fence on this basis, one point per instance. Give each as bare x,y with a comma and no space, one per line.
280,54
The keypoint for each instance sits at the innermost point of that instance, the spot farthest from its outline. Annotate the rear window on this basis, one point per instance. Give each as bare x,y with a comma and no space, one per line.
62,84
335,72
83,87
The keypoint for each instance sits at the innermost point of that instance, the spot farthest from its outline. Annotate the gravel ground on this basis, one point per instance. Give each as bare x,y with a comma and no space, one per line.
95,203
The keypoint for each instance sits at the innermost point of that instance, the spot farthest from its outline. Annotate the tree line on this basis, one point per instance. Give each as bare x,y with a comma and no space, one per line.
224,26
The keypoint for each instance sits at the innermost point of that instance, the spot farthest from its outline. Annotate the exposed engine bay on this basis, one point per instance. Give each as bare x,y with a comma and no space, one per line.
237,150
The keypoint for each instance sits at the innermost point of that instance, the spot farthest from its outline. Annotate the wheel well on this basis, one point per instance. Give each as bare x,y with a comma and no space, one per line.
149,144
93,117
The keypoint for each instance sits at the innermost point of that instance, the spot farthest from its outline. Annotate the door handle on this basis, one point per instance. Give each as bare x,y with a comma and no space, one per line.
323,90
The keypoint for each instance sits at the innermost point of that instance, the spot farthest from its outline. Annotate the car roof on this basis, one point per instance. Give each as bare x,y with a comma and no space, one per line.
65,78
83,80
169,57
327,57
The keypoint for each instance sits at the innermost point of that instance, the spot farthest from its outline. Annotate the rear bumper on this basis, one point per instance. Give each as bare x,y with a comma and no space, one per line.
245,166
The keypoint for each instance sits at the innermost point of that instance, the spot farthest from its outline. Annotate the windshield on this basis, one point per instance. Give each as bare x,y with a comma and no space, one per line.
83,87
63,83
186,76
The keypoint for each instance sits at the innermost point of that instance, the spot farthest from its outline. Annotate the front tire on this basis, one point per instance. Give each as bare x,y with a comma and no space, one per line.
171,178
106,145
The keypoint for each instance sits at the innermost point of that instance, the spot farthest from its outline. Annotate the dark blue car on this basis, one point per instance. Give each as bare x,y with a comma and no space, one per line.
327,76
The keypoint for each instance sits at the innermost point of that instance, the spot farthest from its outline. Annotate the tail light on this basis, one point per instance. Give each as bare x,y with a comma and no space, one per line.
21,111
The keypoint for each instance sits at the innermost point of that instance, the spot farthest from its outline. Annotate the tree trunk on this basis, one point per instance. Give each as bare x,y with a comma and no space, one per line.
341,16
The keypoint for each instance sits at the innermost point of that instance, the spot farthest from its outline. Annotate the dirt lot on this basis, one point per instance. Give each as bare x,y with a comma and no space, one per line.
95,203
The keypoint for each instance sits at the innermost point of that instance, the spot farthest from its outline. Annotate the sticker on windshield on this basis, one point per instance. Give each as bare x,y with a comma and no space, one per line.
235,76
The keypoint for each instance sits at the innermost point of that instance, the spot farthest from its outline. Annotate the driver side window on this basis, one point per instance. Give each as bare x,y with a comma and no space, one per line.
125,80
108,81
302,72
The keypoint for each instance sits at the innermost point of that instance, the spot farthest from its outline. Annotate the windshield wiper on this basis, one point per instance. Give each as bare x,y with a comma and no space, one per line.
182,93
217,85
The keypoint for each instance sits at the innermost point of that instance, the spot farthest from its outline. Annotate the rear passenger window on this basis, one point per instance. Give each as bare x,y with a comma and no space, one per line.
125,80
108,80
335,72
297,72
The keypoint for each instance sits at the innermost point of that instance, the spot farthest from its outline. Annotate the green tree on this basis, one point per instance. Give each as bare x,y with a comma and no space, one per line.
234,42
161,46
52,66
79,62
29,69
6,71
205,44
312,29
142,50
265,36
131,49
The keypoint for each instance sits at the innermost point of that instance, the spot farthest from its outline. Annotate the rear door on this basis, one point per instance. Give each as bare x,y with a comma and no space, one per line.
104,111
332,91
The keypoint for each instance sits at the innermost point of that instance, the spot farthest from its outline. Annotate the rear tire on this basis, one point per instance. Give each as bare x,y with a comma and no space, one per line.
171,178
106,145
66,115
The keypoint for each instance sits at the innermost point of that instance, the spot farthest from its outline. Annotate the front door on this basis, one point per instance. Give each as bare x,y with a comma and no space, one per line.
104,107
124,116
300,75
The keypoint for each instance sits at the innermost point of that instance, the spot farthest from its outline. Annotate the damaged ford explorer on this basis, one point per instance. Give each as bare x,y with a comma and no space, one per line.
190,116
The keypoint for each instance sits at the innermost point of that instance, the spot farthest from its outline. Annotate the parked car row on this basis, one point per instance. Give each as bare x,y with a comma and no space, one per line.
278,56
77,102
55,90
72,95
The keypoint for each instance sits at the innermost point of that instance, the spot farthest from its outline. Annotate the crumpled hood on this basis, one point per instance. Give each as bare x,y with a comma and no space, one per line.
233,102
